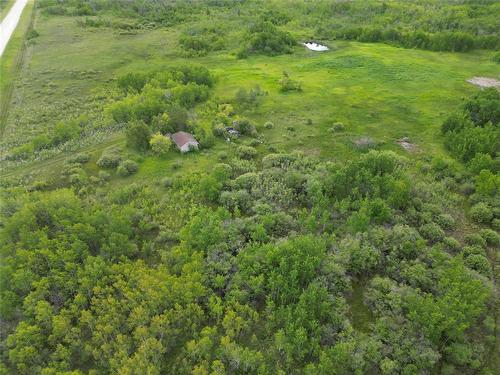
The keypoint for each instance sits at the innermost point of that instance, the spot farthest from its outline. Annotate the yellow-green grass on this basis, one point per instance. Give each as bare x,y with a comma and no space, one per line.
375,90
5,6
11,61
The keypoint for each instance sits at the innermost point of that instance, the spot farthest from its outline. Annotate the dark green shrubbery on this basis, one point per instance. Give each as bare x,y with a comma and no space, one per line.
265,38
455,41
127,168
110,159
201,41
481,213
475,131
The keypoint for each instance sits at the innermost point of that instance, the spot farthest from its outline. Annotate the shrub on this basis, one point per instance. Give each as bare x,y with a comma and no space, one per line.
481,213
445,221
40,142
432,232
244,126
104,176
246,152
475,239
491,237
268,125
480,162
265,38
233,200
246,181
63,132
109,159
138,136
338,127
160,123
288,84
132,82
249,99
160,144
241,166
254,142
487,183
32,34
451,243
467,188
470,250
479,263
177,118
127,168
80,158
219,130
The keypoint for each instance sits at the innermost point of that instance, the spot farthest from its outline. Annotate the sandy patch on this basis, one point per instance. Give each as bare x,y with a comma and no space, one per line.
485,82
407,145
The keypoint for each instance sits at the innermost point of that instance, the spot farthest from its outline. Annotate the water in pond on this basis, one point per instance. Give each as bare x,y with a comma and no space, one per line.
313,46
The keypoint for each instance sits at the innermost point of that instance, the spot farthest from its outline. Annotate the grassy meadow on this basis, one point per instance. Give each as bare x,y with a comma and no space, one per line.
375,90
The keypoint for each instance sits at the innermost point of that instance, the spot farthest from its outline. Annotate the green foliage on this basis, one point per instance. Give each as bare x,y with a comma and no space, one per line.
288,84
246,152
201,41
110,158
481,213
160,144
265,38
267,264
247,99
496,57
244,126
138,136
127,168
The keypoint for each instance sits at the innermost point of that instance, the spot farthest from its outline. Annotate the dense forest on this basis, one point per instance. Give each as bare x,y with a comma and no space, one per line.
300,238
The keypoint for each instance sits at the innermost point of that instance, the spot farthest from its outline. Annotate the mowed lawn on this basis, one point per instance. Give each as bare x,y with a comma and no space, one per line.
375,90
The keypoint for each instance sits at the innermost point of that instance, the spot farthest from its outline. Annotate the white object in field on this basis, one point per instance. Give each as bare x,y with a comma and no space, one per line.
315,46
9,23
485,82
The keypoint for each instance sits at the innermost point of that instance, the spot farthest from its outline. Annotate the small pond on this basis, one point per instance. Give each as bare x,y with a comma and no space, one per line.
313,46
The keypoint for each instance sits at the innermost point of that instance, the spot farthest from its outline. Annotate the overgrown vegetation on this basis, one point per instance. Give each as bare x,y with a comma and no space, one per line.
301,239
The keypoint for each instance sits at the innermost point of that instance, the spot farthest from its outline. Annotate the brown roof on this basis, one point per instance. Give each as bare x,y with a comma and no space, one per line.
181,138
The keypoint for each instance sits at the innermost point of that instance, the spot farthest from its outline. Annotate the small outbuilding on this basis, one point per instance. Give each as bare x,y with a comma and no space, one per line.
184,141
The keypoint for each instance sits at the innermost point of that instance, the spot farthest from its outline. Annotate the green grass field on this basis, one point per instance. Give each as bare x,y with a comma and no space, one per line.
375,90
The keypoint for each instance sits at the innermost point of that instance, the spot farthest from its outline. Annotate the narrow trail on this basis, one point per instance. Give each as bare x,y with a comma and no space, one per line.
9,23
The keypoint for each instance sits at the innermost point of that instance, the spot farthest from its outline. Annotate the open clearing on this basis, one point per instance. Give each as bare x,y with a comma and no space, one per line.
385,91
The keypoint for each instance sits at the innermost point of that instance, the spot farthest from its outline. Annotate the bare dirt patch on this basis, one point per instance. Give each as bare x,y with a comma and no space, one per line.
407,145
365,142
485,82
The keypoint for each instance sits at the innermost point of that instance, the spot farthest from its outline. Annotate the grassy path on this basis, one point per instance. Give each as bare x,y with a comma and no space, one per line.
51,165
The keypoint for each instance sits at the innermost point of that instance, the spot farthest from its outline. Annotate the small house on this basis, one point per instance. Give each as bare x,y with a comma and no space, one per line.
184,141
